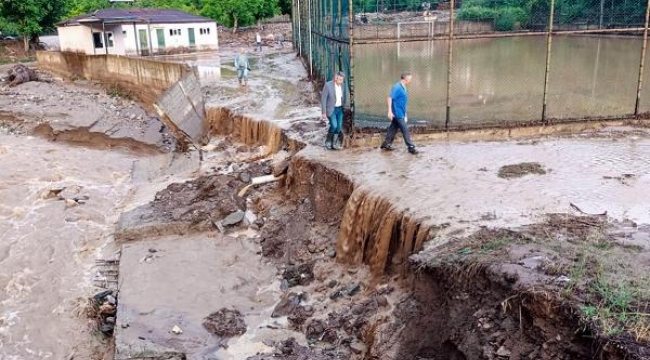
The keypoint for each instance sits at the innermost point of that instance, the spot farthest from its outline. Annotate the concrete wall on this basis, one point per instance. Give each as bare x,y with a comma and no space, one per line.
145,79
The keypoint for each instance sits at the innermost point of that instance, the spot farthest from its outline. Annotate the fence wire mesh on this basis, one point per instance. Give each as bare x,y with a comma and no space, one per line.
512,61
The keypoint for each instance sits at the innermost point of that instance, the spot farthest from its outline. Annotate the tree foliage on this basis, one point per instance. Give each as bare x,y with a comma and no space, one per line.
236,13
31,17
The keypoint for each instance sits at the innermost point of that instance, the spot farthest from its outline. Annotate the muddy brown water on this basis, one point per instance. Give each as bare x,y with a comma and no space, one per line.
503,78
47,250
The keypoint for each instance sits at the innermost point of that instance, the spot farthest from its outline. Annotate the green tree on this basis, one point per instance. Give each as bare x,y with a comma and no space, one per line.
285,7
31,17
236,13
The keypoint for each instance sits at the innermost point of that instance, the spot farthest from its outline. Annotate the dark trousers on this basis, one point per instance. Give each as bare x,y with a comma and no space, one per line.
336,120
398,124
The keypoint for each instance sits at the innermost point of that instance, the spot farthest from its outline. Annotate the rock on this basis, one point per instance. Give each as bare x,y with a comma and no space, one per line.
287,305
353,289
382,301
233,219
250,217
107,309
132,117
332,283
107,328
111,299
70,203
331,254
176,330
100,296
358,309
245,177
110,320
503,352
280,167
357,347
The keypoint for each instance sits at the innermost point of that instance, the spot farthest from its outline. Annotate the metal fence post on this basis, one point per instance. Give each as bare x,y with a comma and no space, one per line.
311,35
642,65
549,43
351,44
449,62
299,29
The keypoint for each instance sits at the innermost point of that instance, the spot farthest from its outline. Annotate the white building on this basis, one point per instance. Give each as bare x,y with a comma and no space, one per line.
137,32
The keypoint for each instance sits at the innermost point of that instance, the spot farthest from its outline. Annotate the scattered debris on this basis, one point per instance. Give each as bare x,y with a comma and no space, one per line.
19,74
225,323
176,330
520,170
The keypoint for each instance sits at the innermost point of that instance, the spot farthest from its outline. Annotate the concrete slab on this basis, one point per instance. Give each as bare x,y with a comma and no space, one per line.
162,287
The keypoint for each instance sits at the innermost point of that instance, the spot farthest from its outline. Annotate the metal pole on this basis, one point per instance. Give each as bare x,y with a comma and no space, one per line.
549,43
299,29
311,59
449,62
149,38
602,10
642,65
351,80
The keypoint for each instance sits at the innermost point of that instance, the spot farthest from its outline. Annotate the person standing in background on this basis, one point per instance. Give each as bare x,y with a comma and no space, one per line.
243,66
258,41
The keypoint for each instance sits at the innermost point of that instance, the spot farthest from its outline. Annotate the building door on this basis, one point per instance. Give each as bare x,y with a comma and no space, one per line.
190,33
160,34
144,42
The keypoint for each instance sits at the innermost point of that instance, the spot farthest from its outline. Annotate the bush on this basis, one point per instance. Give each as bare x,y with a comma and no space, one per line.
507,18
476,13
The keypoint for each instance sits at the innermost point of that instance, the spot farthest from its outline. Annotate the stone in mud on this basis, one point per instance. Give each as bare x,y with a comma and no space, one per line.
110,299
503,352
234,218
245,177
280,167
299,275
357,347
225,323
287,305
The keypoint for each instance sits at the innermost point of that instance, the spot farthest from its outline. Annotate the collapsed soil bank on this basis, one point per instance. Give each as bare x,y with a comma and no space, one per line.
458,310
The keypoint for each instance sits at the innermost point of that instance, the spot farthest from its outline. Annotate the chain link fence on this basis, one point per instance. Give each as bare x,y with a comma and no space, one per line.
478,63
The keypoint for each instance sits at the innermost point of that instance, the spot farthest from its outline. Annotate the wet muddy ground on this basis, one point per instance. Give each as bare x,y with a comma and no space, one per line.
520,243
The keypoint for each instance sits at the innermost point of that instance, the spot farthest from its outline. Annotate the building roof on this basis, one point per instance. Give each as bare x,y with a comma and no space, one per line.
151,16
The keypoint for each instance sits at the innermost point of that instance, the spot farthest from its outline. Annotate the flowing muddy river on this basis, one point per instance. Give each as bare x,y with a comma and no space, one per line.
49,246
502,79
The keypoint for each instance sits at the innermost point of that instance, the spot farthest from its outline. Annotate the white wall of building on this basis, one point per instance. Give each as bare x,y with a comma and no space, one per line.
175,36
76,39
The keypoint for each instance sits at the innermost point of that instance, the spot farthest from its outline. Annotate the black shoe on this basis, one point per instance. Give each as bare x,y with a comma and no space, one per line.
413,151
387,147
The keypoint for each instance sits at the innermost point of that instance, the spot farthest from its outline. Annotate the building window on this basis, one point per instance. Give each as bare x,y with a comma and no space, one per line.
109,40
124,33
97,40
205,31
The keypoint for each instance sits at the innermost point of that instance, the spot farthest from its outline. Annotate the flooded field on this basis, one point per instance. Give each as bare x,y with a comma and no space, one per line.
502,79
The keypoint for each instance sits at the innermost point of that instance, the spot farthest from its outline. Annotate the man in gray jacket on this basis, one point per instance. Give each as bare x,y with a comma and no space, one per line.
332,101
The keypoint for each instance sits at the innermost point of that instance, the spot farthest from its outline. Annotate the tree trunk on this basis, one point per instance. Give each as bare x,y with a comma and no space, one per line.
236,23
26,42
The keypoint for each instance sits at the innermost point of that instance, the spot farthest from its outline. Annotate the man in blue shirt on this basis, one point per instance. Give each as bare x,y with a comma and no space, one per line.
397,101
